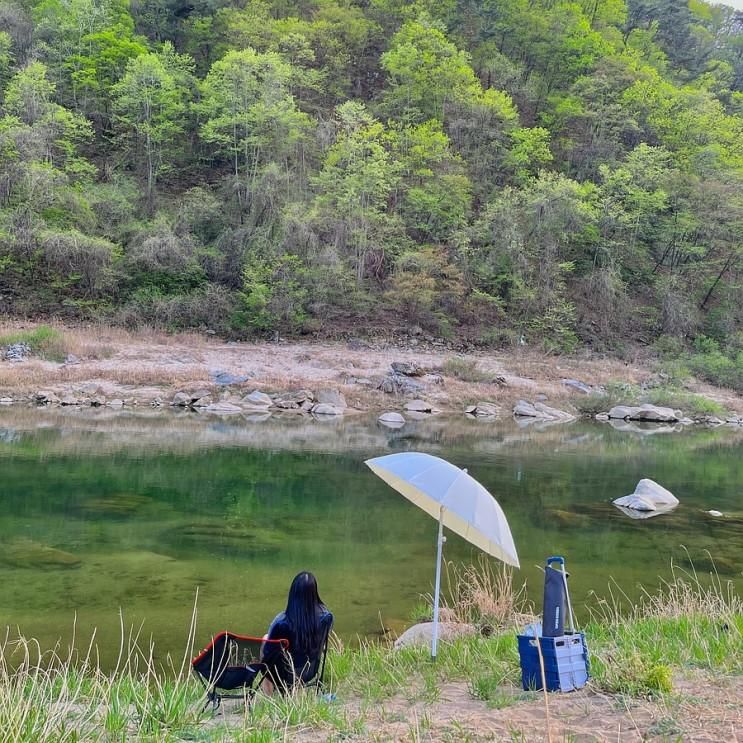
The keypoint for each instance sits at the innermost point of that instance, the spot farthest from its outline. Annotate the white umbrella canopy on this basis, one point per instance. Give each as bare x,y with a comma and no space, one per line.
455,499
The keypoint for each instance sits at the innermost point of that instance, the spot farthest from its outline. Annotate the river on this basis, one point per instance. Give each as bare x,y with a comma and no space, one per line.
118,518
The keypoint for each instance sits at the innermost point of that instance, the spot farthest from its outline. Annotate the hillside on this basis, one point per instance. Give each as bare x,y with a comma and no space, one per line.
560,174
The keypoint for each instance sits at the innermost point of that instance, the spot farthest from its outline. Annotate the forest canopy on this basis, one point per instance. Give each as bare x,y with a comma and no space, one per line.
569,173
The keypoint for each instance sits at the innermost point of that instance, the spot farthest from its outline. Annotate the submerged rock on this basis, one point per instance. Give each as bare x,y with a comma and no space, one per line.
26,553
124,504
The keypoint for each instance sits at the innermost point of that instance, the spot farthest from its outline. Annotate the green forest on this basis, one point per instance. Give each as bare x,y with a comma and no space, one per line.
559,173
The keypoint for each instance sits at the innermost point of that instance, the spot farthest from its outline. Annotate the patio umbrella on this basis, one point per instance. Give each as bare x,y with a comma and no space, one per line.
456,500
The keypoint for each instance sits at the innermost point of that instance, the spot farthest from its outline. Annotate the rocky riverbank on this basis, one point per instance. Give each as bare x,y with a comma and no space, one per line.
108,367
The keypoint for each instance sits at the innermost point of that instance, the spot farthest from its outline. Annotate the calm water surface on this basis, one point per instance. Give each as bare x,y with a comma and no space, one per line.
111,515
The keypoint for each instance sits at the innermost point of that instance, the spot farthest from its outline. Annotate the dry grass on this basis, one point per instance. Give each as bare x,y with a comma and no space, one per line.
484,594
29,377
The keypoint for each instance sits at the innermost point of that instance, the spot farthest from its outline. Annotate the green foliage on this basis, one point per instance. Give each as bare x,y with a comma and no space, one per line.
570,172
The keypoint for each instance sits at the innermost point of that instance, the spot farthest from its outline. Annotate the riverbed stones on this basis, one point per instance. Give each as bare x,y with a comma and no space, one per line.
16,352
294,400
70,401
646,412
331,397
45,397
648,496
539,410
115,403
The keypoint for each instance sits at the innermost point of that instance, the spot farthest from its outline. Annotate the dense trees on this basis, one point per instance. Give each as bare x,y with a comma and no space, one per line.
566,171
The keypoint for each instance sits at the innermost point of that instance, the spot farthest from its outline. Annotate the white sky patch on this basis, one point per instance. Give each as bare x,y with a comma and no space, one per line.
733,3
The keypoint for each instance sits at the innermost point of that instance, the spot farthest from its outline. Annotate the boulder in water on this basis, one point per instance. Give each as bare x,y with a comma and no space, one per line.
391,420
648,496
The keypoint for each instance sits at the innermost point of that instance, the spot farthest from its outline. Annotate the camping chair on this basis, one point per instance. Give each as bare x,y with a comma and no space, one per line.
230,662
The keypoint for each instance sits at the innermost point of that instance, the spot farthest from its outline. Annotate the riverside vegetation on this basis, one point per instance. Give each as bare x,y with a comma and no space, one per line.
637,653
560,173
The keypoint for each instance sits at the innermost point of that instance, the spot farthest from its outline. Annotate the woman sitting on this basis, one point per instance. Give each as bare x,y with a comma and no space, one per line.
305,624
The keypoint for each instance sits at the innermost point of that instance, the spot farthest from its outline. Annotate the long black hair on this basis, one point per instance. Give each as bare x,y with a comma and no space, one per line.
304,610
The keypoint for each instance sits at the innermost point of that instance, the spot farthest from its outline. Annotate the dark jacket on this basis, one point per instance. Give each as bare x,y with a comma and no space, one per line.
298,666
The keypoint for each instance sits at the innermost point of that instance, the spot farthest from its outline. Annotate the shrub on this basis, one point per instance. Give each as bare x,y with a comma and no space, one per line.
467,370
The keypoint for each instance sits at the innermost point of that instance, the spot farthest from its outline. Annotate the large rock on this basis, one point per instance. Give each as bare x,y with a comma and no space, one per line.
181,399
645,412
540,411
577,385
648,496
407,368
483,410
391,420
257,401
293,400
420,406
331,397
325,408
223,408
224,378
421,634
399,384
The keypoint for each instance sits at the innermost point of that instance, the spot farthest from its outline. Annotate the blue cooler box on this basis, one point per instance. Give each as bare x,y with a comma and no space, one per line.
565,662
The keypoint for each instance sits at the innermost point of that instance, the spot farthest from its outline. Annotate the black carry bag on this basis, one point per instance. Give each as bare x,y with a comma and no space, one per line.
556,600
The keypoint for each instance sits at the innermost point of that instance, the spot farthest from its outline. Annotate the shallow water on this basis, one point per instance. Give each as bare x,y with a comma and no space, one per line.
112,518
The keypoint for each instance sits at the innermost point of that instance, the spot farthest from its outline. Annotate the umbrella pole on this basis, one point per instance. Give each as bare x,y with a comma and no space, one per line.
437,586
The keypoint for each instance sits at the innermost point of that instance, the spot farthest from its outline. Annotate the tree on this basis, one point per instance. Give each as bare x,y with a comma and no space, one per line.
426,73
250,117
149,108
355,185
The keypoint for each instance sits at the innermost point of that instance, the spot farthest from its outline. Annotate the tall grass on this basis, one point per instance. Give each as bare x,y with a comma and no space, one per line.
635,650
